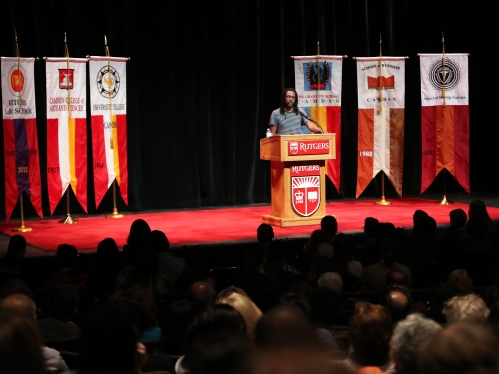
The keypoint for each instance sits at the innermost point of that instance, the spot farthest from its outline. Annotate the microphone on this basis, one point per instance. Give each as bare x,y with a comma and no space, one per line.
307,117
310,119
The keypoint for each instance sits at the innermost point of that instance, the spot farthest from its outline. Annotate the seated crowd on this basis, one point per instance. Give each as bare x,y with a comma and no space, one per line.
424,300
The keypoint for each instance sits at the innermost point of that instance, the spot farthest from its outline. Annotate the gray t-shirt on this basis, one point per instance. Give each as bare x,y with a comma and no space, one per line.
289,123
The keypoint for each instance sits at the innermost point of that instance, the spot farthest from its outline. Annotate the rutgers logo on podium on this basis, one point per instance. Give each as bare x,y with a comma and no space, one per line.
306,194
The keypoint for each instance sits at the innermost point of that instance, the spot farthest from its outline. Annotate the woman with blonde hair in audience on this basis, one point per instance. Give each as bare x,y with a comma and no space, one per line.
247,308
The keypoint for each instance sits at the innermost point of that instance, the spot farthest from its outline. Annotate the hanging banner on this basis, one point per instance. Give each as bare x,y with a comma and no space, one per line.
22,165
381,102
318,84
445,124
109,129
66,129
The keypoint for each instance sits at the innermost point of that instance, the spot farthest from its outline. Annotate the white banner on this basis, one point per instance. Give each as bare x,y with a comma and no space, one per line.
452,73
318,78
18,87
383,82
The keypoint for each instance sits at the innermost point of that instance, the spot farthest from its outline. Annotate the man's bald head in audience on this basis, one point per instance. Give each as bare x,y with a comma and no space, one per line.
19,304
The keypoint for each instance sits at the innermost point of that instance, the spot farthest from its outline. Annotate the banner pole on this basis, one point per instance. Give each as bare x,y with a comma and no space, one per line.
21,228
68,220
444,200
317,92
444,79
380,77
382,201
115,213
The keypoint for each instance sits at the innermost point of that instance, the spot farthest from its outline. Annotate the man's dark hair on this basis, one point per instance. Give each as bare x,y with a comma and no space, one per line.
458,218
159,241
371,226
66,255
265,233
17,246
329,225
283,100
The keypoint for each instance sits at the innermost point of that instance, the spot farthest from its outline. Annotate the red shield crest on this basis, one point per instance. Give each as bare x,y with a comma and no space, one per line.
306,194
66,79
293,148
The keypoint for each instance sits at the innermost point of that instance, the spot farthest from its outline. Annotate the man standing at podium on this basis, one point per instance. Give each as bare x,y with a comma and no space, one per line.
289,119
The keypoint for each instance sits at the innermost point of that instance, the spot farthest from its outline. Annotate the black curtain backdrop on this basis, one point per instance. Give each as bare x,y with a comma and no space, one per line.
204,77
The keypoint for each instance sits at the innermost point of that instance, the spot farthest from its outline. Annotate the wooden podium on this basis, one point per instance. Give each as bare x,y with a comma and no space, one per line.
298,172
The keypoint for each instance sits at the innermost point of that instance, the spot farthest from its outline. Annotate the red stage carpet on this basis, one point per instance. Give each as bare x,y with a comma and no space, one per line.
222,225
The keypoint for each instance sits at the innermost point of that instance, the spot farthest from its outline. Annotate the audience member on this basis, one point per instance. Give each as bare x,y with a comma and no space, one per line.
61,301
23,306
286,326
344,263
331,280
373,277
15,286
103,272
367,253
468,307
109,342
69,269
195,270
406,340
248,310
263,288
141,301
137,242
12,264
145,273
439,295
398,301
330,226
219,319
460,283
370,330
460,348
226,292
178,316
202,294
170,265
20,346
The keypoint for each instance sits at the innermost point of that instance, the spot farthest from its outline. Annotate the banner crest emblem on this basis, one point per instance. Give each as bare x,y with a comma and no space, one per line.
306,194
108,81
66,79
16,79
317,76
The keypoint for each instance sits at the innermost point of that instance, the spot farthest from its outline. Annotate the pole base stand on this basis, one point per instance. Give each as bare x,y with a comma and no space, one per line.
383,201
68,220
